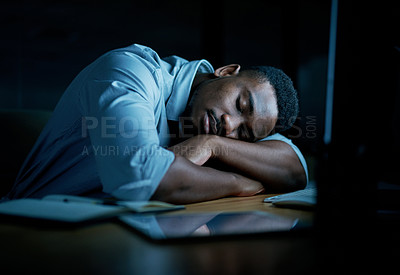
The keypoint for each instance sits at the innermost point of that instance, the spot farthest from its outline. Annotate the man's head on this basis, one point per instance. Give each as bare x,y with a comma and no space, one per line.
285,94
245,105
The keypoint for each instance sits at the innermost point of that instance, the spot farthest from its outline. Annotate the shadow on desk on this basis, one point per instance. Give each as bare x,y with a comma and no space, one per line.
110,248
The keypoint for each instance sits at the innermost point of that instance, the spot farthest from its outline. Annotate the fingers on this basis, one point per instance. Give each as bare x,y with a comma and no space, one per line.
196,149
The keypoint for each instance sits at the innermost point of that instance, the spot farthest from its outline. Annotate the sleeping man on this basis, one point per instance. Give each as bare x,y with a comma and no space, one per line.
134,126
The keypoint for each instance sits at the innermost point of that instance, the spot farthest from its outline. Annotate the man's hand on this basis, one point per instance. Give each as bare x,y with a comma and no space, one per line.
198,149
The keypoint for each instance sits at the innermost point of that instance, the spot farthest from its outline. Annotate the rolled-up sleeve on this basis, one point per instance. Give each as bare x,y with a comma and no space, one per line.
119,117
294,147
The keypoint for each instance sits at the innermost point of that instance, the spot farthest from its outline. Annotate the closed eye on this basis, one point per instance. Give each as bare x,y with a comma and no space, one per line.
251,102
238,106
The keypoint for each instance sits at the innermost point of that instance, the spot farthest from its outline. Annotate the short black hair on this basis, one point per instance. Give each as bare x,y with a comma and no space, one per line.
285,93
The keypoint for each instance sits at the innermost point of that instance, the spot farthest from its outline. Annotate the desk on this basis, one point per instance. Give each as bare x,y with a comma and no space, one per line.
111,248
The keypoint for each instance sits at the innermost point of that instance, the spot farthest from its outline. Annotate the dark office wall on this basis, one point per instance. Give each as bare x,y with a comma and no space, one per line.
44,44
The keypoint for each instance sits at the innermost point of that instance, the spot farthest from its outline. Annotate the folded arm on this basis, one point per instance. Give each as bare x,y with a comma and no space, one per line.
186,182
273,163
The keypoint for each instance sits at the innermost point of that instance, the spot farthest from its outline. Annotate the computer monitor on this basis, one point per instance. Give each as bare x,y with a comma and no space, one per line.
359,154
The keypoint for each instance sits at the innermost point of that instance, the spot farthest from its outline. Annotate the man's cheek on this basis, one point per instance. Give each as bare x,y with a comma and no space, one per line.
262,127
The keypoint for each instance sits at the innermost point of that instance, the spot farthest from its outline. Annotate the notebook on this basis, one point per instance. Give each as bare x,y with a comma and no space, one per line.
74,209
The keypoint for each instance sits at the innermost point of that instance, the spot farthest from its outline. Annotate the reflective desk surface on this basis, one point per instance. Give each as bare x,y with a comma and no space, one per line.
112,248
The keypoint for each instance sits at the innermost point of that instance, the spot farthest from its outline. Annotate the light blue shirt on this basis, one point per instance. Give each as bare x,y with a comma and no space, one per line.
108,133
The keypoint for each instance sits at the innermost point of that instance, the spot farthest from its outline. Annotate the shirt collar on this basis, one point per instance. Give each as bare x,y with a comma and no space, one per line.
181,86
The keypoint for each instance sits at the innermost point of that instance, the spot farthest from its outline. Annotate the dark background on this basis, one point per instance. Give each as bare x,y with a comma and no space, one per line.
46,43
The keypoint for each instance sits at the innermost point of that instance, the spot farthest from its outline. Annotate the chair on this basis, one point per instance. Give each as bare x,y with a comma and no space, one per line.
19,130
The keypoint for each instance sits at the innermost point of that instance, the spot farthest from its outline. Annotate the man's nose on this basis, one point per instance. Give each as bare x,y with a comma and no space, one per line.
230,124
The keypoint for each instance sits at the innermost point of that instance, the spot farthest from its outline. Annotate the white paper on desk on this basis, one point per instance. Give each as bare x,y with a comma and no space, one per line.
149,206
58,211
132,206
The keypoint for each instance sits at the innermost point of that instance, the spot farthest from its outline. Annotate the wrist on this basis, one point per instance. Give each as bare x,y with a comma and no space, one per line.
222,147
215,144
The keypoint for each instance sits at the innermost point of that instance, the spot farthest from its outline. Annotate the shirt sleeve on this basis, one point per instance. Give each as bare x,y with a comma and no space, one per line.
294,147
119,117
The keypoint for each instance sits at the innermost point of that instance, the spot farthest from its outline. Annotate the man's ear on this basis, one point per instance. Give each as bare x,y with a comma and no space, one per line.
232,69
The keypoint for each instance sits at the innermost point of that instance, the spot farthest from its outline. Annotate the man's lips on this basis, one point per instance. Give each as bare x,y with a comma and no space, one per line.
210,123
206,123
